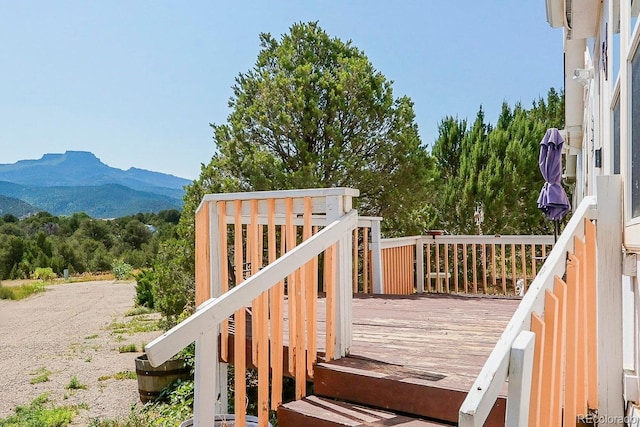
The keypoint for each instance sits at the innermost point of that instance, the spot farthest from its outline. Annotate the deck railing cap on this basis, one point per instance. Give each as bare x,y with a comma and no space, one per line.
281,194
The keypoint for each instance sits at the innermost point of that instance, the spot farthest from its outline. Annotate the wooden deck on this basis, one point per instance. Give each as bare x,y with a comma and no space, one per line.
416,356
446,335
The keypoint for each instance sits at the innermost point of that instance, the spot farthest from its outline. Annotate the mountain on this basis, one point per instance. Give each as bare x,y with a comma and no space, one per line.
81,168
17,207
100,201
77,181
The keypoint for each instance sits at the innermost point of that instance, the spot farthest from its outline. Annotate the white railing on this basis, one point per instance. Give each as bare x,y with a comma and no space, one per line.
203,327
462,263
570,390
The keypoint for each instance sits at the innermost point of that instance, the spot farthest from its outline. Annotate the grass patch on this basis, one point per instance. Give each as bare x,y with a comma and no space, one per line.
38,414
92,337
128,348
91,277
75,384
79,349
136,311
136,325
20,292
137,418
41,376
125,375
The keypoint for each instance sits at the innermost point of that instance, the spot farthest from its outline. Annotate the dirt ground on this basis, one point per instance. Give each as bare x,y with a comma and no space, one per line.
66,331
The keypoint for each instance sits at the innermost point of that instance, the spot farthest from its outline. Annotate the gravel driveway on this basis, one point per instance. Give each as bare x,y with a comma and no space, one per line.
68,331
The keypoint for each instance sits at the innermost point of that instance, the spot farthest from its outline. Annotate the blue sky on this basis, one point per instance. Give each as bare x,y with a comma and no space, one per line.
138,82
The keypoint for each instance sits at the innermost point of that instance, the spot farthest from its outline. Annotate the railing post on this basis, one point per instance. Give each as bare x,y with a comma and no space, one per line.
609,296
376,258
336,207
217,263
420,265
210,376
205,387
520,373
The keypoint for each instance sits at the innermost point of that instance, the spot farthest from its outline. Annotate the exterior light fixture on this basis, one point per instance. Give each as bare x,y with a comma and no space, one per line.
583,76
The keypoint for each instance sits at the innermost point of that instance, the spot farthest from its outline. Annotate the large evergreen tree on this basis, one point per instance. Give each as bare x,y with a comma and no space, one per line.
314,112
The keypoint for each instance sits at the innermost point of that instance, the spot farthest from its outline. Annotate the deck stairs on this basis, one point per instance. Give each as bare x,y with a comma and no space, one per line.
356,391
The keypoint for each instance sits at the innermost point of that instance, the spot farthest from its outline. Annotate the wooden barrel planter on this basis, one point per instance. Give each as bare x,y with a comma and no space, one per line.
151,381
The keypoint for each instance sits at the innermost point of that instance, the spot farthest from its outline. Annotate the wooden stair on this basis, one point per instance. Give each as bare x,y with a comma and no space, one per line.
356,391
321,412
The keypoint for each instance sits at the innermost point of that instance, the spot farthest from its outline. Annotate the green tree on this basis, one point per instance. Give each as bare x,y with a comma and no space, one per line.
314,112
171,216
495,167
136,233
11,251
96,230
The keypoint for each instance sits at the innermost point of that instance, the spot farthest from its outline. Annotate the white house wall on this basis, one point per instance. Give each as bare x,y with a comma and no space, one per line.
604,39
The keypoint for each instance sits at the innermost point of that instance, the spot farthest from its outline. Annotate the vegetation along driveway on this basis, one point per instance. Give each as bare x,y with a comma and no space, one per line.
73,330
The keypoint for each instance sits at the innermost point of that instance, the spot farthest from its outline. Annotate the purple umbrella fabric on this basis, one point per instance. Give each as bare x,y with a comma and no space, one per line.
553,201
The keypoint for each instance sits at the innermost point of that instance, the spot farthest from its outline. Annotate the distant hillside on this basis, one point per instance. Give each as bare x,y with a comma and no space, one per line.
82,168
13,206
101,201
77,181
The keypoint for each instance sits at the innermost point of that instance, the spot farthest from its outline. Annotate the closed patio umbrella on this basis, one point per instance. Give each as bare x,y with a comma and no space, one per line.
553,201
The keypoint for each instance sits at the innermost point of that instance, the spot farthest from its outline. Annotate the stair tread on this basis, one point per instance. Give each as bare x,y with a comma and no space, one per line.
314,409
407,390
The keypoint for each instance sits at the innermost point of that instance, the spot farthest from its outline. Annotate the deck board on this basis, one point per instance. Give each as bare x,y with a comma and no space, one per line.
444,334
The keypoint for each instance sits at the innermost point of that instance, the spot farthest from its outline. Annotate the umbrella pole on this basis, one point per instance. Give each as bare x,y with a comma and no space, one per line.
556,229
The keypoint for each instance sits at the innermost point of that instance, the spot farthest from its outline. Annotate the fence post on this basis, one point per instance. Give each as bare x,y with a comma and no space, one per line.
420,265
376,258
609,296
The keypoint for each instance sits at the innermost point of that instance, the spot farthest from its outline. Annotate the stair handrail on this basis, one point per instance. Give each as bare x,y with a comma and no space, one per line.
485,390
203,326
213,311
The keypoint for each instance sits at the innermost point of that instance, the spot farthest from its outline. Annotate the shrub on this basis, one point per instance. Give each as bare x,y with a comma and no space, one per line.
145,282
175,287
44,274
121,270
